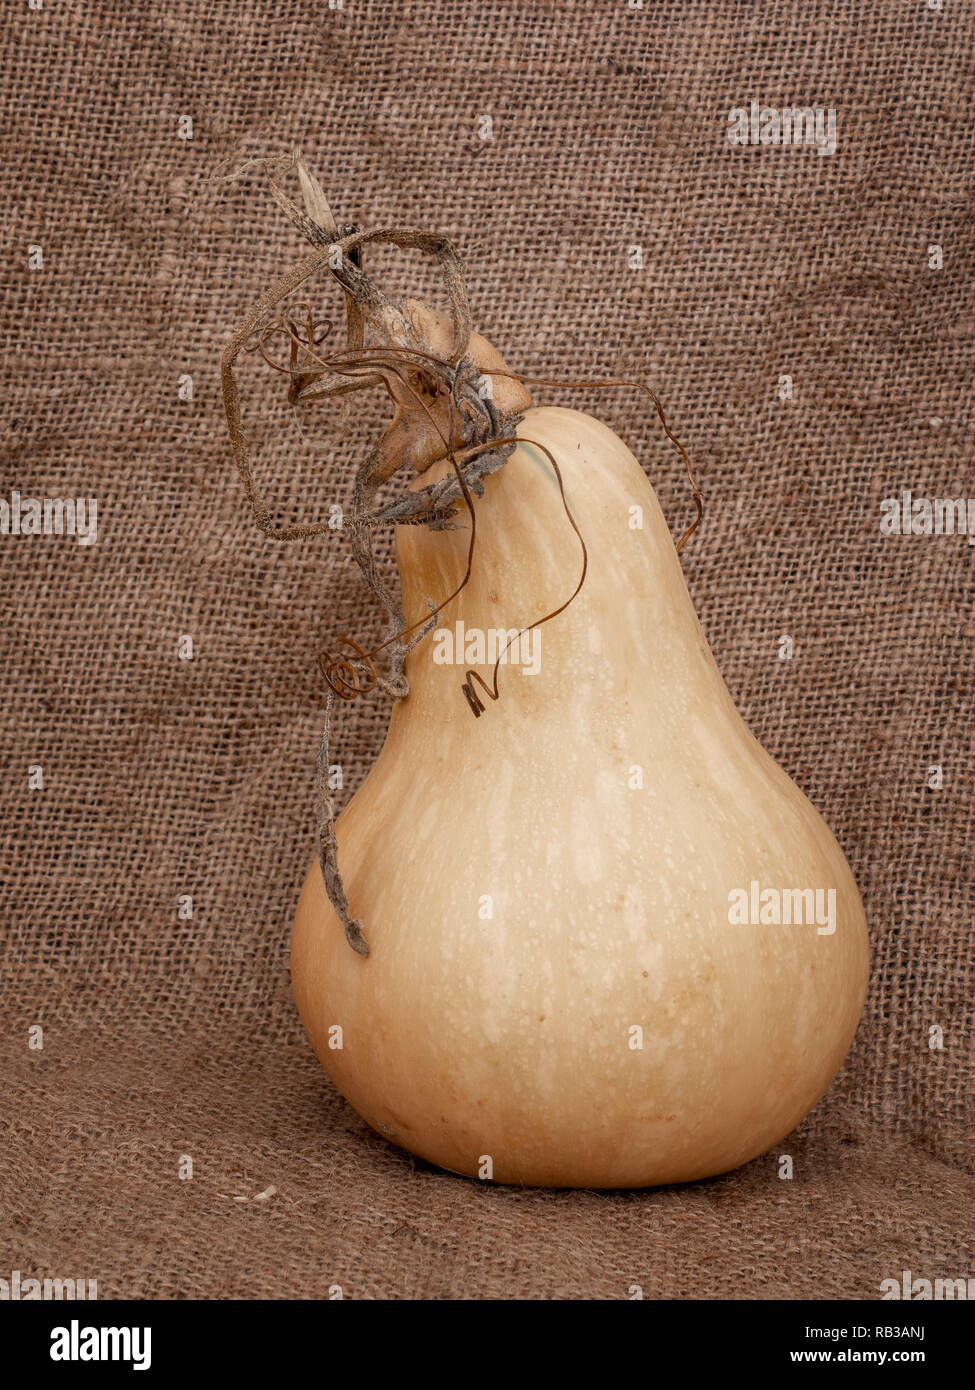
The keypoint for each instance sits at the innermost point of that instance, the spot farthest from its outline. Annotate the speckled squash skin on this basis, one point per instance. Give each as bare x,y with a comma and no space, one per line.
513,1036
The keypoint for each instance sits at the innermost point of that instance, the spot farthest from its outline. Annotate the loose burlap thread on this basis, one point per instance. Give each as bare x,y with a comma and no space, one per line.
608,227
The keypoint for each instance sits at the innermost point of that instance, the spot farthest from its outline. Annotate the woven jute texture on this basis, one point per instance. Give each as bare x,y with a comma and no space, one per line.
578,154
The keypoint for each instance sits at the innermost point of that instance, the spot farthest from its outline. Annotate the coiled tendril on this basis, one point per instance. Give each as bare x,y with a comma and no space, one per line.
347,678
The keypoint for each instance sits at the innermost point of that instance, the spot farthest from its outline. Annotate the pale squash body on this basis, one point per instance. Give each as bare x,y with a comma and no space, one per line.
606,1025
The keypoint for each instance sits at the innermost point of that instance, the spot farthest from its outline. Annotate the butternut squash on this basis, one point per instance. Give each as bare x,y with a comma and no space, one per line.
560,988
609,943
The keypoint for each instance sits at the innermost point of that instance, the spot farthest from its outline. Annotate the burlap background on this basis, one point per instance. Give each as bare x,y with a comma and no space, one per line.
163,777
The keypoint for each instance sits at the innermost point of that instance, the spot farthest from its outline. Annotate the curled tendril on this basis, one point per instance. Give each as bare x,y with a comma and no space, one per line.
493,693
298,341
349,676
303,339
